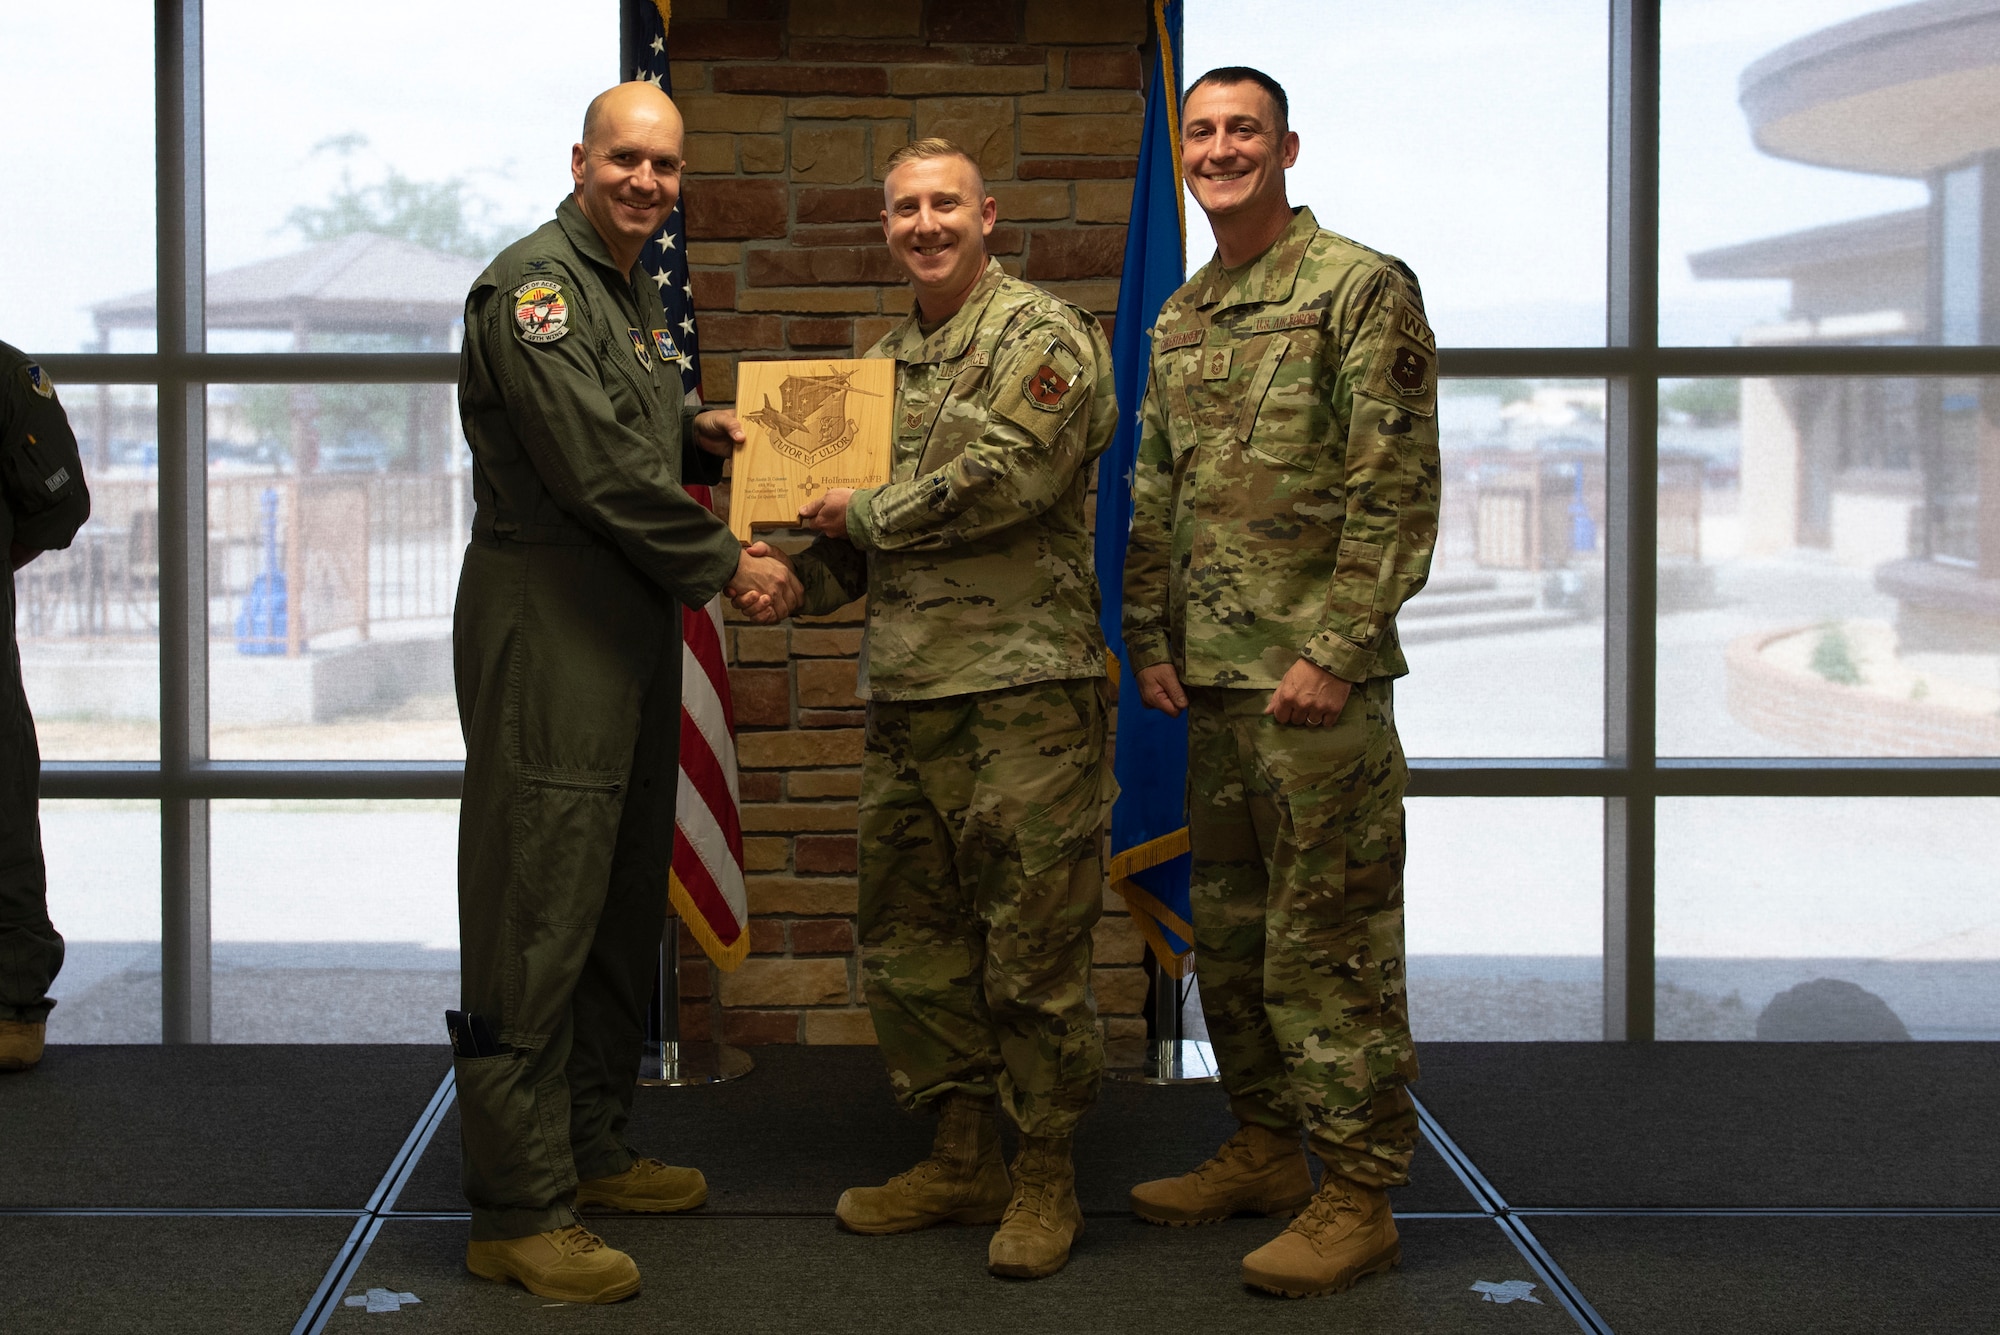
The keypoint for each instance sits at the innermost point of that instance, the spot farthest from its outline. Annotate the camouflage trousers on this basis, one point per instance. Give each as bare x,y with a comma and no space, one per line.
980,882
1297,841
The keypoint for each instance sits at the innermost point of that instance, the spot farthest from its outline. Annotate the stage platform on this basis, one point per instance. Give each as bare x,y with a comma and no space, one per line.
1669,1188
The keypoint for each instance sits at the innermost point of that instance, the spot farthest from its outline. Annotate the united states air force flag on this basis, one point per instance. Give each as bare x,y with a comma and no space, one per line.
706,880
1149,838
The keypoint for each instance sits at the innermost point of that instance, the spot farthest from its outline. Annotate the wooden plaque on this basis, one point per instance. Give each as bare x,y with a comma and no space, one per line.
810,426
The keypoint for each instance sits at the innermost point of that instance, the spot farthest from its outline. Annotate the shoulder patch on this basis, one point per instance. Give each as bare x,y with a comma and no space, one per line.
1052,382
541,312
38,380
1403,368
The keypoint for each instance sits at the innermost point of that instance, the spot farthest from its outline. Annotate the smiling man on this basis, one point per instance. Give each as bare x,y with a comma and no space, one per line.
567,653
983,782
1285,506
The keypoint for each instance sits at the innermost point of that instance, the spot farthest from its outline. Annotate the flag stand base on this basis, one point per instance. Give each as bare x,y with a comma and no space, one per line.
664,1059
1161,1061
691,1063
1166,1055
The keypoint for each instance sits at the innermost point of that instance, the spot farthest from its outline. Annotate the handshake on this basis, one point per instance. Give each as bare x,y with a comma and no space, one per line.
765,588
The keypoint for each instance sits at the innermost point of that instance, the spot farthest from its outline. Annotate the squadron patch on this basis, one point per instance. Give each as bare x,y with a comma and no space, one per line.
38,380
541,312
664,341
1045,388
640,348
1409,371
1049,384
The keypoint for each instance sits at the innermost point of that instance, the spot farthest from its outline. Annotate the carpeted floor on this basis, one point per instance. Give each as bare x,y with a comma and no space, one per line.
256,1188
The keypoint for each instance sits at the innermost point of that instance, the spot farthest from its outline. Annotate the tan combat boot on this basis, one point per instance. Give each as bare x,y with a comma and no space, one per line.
1346,1232
1257,1171
647,1187
963,1182
571,1265
20,1044
1043,1219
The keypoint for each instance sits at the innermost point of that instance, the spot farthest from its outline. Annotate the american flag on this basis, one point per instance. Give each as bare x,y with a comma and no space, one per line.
706,880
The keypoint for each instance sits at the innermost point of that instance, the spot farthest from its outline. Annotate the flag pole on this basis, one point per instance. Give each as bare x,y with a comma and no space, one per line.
667,1059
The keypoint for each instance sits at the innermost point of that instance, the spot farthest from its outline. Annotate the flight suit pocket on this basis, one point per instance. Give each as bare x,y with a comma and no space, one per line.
565,828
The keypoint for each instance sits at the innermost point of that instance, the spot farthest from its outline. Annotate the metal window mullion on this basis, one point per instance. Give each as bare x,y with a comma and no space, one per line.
185,1007
1632,487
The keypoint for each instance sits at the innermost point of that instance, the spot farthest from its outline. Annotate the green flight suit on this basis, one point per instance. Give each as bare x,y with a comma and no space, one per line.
1285,505
46,502
567,654
983,782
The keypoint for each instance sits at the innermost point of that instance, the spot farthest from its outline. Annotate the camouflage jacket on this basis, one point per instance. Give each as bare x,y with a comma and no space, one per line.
1285,501
570,393
976,555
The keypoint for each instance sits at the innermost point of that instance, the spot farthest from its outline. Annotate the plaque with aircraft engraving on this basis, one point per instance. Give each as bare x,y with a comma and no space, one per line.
811,425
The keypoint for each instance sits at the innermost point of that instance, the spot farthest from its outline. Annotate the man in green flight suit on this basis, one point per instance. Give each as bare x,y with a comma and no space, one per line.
1285,506
43,502
567,653
983,782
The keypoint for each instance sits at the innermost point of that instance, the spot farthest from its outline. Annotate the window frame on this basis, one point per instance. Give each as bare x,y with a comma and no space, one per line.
1630,778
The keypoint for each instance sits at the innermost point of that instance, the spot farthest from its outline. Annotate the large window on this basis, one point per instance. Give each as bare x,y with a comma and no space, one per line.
1705,701
241,670
1714,622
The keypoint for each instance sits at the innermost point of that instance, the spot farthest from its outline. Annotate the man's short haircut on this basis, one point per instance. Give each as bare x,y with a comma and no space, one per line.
1235,74
934,147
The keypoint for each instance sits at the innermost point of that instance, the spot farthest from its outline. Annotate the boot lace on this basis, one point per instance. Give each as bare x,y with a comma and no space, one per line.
1328,1204
576,1240
1234,1153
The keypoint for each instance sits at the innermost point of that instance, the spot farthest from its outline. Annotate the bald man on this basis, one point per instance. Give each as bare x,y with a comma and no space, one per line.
567,653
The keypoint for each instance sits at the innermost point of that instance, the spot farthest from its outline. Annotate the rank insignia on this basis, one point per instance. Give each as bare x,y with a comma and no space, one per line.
664,341
1045,388
1215,364
1410,372
541,312
640,348
38,380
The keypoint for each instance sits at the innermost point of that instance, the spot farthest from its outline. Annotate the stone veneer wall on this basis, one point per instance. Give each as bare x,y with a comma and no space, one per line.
791,110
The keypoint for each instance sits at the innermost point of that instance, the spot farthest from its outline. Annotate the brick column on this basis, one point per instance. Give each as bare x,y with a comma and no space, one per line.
791,109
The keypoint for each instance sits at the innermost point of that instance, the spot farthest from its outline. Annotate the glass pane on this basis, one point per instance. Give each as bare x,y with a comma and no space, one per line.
1827,558
1505,918
337,518
104,897
1516,593
356,220
334,922
1501,120
1795,918
77,75
1813,154
88,617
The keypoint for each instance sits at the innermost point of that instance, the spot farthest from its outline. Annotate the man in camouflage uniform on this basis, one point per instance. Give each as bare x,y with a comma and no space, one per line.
1285,506
43,502
984,786
567,655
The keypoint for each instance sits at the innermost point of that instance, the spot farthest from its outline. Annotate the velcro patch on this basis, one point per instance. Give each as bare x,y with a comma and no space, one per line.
664,341
1186,338
640,347
1403,369
541,312
56,480
1267,324
38,380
